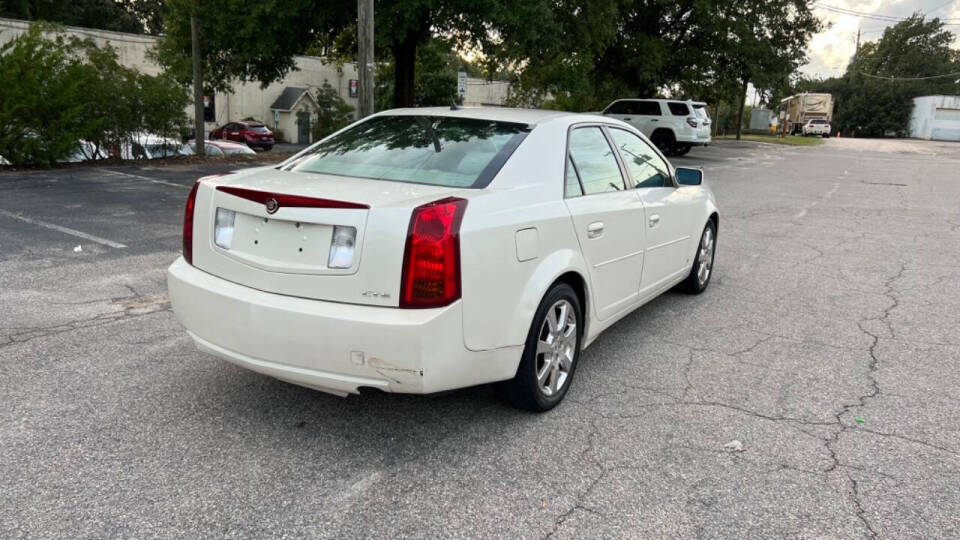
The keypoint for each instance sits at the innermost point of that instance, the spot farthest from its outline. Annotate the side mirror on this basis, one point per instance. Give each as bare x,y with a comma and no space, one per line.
689,177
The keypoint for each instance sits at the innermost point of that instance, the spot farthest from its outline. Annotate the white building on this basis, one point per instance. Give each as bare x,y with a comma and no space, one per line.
286,106
936,118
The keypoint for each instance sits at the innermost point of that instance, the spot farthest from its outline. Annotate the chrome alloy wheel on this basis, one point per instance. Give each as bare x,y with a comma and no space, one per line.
556,347
705,257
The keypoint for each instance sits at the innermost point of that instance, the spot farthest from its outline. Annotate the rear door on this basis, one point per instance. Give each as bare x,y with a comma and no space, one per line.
669,211
608,219
235,132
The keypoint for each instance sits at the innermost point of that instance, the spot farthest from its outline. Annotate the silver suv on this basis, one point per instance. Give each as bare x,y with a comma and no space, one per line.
673,125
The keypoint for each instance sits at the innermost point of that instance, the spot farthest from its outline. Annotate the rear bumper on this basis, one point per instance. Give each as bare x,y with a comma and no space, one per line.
693,140
333,347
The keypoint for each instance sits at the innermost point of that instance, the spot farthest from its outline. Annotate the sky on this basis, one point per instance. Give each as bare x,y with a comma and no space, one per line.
831,49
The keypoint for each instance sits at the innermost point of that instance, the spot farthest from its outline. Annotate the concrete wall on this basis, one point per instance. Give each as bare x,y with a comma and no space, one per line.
249,100
936,118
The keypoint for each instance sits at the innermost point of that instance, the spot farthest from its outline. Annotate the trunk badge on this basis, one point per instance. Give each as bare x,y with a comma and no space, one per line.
272,205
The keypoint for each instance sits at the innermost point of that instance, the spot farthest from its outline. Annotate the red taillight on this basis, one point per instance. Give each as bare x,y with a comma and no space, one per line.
188,225
431,260
692,122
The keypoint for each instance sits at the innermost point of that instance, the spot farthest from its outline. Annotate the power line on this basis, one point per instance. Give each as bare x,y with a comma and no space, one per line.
865,74
874,16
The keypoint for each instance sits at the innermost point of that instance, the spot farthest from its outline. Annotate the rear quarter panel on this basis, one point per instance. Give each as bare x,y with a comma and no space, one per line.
500,292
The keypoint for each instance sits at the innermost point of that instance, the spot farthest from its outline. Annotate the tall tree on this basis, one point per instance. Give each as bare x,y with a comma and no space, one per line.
258,42
134,16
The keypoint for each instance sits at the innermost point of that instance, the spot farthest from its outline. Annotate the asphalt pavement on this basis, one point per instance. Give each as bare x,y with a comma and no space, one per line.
810,392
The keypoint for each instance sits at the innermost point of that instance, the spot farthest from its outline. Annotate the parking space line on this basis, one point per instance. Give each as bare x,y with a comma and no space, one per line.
147,178
65,230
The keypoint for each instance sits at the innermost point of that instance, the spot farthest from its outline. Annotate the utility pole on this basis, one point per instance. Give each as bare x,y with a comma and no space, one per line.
365,56
199,135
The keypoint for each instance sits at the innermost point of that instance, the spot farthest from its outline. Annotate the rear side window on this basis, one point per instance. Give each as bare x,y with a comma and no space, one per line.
434,150
572,187
648,108
594,161
678,109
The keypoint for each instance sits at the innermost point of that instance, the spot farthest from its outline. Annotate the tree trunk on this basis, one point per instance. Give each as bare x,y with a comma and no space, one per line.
404,68
743,101
198,128
365,60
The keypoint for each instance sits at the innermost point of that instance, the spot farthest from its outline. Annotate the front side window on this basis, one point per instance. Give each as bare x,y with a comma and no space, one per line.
594,161
434,150
621,107
678,109
647,168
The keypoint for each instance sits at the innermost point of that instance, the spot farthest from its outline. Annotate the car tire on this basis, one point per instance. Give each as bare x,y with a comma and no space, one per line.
664,140
702,269
543,377
681,149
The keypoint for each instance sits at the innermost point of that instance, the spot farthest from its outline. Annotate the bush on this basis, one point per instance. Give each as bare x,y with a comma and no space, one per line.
69,90
333,112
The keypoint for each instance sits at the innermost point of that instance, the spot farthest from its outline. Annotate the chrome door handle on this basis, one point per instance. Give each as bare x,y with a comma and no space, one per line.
595,229
654,220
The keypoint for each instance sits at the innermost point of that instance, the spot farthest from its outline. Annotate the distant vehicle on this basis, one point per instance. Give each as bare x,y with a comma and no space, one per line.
796,111
674,126
150,146
86,151
252,134
222,148
817,126
422,250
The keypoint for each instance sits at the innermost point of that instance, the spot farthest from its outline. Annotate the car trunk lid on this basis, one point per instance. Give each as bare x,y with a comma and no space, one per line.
276,231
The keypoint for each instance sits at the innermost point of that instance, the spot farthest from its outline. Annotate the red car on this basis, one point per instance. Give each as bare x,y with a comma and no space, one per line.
253,134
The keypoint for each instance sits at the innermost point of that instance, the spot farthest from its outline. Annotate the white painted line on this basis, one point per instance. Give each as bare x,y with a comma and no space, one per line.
147,178
65,230
827,195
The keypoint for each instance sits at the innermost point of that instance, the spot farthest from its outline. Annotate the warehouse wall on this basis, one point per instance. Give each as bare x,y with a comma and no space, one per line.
936,118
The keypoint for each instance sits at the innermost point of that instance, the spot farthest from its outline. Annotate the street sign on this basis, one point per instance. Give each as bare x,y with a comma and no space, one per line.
354,88
462,84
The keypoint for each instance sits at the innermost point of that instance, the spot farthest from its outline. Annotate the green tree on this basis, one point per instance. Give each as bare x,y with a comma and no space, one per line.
333,112
256,41
70,90
134,16
875,95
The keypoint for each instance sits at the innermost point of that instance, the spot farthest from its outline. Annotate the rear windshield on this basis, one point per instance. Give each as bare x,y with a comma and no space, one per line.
701,111
818,121
435,150
258,128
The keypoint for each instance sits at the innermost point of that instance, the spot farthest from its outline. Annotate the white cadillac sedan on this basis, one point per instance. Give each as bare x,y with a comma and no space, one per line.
422,250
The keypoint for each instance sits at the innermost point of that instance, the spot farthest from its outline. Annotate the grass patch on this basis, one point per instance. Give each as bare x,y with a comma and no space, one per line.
791,140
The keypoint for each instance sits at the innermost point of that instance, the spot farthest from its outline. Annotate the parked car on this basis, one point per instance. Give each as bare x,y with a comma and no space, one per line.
422,250
151,146
675,126
253,134
222,148
817,126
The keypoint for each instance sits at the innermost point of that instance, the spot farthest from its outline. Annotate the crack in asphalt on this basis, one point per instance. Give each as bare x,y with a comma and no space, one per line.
126,307
838,424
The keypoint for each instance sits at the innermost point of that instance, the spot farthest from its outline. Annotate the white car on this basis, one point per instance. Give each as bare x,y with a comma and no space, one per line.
423,250
817,126
221,148
673,125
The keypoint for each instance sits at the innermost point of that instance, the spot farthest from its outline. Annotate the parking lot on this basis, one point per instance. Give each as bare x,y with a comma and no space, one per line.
811,391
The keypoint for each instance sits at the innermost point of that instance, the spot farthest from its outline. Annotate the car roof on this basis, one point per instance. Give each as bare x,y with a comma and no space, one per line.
496,114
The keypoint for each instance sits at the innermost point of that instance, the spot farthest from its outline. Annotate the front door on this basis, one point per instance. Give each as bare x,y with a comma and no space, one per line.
667,250
303,127
608,219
